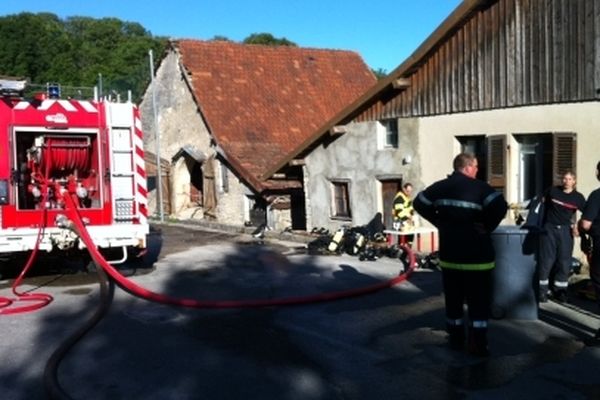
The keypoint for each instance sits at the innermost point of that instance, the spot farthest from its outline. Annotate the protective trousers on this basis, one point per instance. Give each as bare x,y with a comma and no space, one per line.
475,289
595,267
556,248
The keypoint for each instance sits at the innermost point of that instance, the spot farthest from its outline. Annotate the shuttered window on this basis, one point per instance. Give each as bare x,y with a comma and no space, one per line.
496,165
556,154
340,207
563,155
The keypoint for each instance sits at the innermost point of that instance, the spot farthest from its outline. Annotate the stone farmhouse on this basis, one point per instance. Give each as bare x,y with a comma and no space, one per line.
226,113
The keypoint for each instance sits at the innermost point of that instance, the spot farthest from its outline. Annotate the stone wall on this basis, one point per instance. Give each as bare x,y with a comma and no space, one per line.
356,157
231,207
180,123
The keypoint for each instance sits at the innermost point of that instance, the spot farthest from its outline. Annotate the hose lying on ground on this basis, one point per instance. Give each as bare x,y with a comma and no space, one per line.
33,301
51,382
136,290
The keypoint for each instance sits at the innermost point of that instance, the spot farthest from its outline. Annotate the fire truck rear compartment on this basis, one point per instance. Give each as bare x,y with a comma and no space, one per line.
59,161
87,151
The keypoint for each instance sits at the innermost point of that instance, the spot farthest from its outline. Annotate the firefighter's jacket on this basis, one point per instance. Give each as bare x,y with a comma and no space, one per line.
465,211
403,208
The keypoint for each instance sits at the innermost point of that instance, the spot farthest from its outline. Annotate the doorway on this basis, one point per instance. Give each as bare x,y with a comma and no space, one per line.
196,186
389,188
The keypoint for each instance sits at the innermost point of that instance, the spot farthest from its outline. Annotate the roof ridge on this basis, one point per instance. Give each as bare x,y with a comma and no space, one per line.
263,46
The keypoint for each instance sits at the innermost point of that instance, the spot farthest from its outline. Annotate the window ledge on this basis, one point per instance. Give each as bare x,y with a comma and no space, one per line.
341,218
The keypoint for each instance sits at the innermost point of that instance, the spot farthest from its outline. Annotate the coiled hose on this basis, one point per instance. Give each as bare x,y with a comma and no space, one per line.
34,301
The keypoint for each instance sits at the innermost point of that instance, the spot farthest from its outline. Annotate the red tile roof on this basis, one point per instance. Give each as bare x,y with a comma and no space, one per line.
261,102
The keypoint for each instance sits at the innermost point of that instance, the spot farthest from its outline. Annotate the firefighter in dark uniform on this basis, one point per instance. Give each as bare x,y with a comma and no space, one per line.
590,224
465,211
556,245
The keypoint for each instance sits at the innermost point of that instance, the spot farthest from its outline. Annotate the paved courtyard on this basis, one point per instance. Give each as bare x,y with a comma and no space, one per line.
384,345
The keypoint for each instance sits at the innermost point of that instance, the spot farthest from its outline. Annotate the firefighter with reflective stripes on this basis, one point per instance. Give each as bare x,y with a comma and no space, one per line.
403,210
465,211
556,245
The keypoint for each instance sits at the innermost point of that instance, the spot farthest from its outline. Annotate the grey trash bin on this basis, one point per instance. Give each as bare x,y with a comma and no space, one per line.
514,276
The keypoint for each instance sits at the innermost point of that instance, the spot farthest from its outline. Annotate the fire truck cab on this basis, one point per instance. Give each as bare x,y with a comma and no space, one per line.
50,148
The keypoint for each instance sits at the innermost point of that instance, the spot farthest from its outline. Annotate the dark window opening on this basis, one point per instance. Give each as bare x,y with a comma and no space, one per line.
196,179
391,133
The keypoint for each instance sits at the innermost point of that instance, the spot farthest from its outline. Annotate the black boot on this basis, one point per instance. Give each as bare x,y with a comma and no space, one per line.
560,295
478,345
456,336
543,294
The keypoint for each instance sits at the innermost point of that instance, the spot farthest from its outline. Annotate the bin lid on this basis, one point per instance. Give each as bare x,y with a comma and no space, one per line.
509,230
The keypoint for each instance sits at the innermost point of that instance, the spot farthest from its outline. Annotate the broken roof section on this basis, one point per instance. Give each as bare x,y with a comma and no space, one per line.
261,102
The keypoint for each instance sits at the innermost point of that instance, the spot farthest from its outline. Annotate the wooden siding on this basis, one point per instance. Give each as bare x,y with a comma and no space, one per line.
512,53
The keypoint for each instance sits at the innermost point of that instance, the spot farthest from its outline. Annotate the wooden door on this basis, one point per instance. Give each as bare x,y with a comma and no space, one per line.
389,188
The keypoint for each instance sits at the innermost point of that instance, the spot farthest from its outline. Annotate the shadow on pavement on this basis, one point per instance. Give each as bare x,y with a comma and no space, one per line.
389,344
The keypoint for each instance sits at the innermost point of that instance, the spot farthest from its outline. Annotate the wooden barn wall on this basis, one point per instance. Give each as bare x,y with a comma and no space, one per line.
514,53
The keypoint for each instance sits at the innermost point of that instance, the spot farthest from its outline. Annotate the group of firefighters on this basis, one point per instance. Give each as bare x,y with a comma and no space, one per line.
465,211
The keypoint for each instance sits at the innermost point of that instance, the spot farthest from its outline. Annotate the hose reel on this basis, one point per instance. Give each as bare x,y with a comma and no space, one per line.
61,162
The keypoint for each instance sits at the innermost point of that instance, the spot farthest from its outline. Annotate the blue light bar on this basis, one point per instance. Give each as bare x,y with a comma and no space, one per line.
53,90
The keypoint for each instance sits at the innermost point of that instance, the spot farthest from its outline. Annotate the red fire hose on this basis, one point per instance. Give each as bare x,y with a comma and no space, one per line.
51,383
40,300
61,155
144,293
35,300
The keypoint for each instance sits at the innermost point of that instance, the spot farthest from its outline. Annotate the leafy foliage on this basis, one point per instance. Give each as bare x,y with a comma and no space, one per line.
78,51
82,52
267,39
221,38
379,73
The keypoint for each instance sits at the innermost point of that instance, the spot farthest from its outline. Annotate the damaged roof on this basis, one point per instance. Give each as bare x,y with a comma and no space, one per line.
262,102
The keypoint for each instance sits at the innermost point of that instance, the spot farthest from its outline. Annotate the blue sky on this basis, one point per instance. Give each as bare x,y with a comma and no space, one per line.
383,32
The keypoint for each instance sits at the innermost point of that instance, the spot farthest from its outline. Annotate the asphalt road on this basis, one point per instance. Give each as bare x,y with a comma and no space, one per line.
389,344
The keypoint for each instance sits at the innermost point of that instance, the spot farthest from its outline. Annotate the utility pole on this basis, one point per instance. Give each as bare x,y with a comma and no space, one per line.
100,85
159,194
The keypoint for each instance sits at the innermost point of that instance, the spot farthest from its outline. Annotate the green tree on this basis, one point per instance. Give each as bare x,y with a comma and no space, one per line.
267,39
221,38
31,45
379,73
73,52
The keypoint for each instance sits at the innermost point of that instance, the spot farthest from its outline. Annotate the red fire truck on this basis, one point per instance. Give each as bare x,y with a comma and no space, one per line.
51,148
